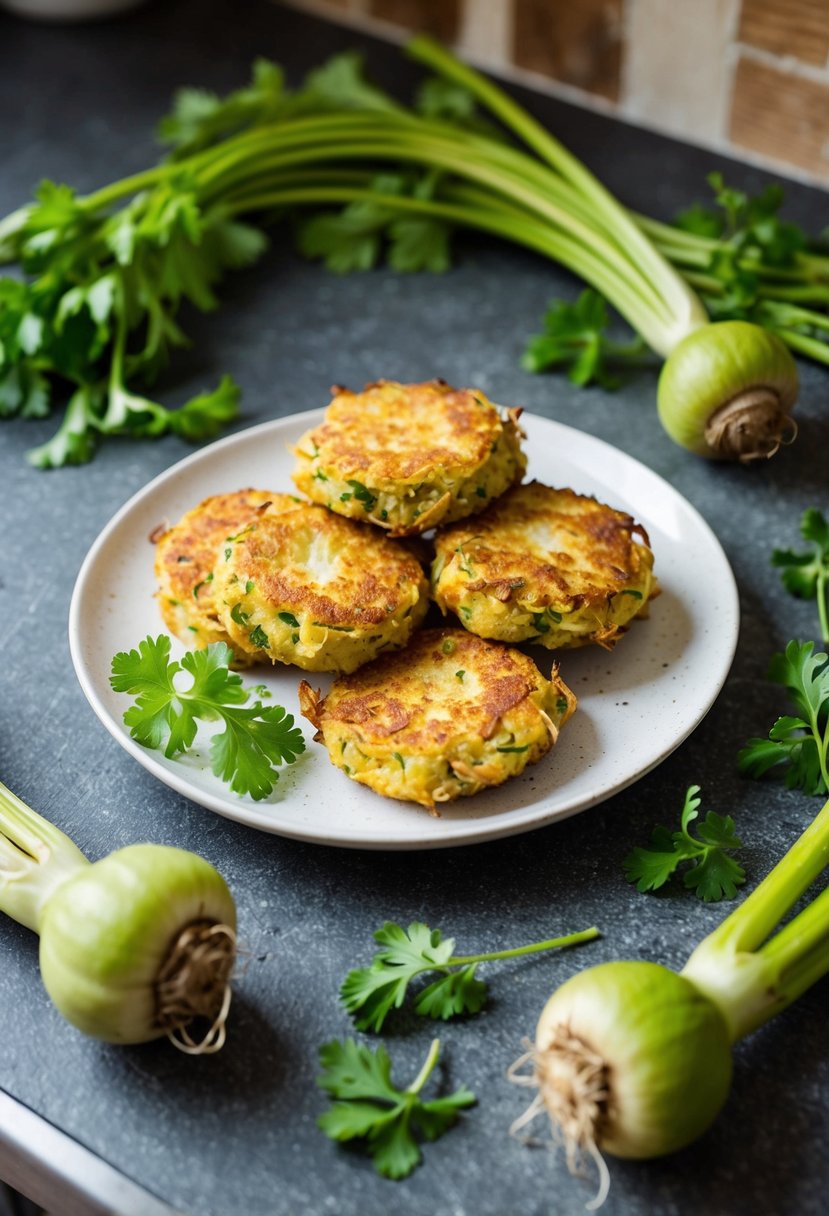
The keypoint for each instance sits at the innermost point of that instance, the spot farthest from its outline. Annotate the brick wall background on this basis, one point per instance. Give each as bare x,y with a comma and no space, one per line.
750,75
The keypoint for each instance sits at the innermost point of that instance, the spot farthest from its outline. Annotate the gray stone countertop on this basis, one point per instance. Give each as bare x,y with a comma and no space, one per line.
235,1133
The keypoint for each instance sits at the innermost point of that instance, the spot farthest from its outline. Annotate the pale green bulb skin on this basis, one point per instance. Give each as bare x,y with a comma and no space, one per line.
710,367
106,931
666,1047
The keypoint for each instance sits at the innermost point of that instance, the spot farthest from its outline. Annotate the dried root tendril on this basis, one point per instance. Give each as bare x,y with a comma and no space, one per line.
213,1040
194,982
752,426
571,1080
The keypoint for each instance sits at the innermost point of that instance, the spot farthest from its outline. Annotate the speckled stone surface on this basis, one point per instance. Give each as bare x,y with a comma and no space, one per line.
235,1133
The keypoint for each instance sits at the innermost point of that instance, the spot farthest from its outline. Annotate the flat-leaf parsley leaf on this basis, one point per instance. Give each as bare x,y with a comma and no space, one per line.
370,1107
574,338
370,993
256,738
807,574
713,874
800,744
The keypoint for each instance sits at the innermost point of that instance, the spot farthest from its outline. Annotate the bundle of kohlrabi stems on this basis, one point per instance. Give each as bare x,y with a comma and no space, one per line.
104,275
136,946
634,1060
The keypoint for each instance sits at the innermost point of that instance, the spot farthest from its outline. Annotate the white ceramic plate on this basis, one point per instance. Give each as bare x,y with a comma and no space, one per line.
636,704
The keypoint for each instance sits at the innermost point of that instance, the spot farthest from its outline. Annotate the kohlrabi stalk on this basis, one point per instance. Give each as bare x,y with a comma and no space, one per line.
133,947
727,388
634,1060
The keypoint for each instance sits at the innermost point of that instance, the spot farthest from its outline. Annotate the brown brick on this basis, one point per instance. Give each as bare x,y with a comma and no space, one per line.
787,27
441,18
782,115
575,41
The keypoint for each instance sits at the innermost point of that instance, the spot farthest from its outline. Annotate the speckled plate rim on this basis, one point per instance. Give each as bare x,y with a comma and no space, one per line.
636,704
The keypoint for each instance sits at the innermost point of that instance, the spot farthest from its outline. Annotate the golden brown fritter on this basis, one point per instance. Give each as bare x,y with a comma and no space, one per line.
446,717
407,457
545,565
186,558
307,587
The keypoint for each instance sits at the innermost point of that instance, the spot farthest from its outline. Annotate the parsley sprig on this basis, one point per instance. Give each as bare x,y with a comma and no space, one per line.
807,574
368,1105
750,224
370,993
749,264
93,310
369,230
574,339
799,744
713,874
96,311
255,739
94,315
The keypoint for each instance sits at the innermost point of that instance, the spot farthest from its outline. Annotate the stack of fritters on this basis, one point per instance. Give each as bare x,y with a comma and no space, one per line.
185,559
323,586
287,582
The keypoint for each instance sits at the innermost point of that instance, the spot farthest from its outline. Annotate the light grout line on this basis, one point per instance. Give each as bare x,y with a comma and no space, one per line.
787,64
